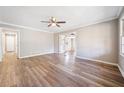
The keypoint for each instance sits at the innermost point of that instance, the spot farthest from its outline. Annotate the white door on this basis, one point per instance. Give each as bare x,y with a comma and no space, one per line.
10,43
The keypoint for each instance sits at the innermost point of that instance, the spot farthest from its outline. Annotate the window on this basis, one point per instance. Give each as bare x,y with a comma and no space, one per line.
122,37
122,45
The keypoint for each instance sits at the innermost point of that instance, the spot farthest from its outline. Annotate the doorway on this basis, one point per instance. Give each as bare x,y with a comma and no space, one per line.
67,43
10,42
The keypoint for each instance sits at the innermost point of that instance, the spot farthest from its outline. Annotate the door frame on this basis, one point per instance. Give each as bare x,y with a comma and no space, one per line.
75,41
3,30
15,42
60,38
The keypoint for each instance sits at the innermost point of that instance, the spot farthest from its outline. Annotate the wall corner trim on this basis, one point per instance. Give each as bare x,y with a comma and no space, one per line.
120,69
100,61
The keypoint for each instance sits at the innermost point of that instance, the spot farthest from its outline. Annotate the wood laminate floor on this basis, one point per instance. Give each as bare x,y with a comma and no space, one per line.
57,70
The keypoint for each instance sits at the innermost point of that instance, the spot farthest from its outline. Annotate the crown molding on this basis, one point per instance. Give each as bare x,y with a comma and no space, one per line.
72,28
90,24
10,29
25,27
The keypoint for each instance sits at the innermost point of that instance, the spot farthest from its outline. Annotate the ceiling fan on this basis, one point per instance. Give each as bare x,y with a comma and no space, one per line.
53,22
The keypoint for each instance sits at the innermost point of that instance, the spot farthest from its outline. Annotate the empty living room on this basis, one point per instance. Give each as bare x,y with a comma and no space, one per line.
61,46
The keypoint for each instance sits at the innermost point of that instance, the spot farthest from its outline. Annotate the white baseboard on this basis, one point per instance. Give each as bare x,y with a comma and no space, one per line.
110,63
56,52
122,72
36,55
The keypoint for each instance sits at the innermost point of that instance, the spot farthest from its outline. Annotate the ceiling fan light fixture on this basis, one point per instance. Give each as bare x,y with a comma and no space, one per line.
53,18
53,24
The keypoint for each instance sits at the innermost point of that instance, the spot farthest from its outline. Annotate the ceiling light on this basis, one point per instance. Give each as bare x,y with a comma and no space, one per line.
53,24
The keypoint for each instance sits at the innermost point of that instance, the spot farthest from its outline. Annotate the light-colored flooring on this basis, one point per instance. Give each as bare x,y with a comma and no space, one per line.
57,70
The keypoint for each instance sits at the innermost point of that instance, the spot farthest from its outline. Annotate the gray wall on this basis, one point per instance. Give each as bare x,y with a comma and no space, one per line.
98,42
121,58
35,42
56,42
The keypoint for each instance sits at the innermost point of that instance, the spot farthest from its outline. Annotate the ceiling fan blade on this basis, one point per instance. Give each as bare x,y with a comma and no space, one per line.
61,22
57,25
49,25
45,21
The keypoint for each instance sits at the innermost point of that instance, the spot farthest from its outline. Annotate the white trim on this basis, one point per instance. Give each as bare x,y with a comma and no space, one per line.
25,27
18,44
10,29
18,39
1,54
57,52
81,26
101,61
120,36
33,55
90,24
122,72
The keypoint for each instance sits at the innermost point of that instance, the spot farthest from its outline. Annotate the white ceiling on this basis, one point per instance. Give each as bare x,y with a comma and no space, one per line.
75,16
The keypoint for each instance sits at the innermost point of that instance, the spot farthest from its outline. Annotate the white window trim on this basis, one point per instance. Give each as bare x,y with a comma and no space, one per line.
120,36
